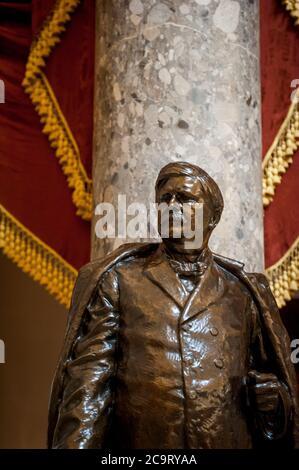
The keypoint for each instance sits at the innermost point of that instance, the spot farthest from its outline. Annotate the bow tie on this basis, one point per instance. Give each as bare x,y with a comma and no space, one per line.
196,268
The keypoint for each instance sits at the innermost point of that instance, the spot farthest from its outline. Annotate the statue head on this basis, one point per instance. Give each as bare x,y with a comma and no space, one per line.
182,186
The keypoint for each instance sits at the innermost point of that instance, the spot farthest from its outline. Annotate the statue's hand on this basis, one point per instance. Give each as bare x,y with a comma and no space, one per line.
264,389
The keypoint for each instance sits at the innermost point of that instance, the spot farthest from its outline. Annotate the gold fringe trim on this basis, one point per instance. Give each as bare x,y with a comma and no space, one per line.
61,139
292,6
280,155
48,109
284,275
36,258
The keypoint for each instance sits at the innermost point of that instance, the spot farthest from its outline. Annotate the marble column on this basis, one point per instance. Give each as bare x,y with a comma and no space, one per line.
179,80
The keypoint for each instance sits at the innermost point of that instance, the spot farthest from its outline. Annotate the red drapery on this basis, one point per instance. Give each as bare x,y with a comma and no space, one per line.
279,67
33,188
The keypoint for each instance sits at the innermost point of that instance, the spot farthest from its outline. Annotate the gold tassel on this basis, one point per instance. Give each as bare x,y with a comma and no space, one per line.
280,155
292,6
48,109
284,275
36,258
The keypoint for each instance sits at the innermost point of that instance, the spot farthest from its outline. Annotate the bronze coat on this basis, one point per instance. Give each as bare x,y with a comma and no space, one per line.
145,365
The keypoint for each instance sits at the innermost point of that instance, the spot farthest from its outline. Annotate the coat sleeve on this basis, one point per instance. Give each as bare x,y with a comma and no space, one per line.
272,425
278,348
86,408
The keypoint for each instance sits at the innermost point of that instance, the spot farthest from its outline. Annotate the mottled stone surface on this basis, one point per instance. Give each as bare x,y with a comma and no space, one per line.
179,80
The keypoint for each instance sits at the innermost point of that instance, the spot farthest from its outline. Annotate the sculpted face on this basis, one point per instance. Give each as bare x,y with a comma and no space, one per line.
186,192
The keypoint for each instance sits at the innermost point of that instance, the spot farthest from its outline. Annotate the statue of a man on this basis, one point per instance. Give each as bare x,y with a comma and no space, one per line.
169,347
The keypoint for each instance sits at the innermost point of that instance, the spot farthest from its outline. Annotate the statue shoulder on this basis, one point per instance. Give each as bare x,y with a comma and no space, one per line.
260,278
258,281
238,266
90,274
228,263
100,265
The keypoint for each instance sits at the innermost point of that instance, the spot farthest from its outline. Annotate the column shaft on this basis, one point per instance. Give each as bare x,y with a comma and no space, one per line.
179,80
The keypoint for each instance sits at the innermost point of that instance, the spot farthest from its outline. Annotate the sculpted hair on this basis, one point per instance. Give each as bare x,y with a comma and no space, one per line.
209,186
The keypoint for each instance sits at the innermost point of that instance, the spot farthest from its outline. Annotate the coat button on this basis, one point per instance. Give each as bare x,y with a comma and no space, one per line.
192,394
214,331
219,363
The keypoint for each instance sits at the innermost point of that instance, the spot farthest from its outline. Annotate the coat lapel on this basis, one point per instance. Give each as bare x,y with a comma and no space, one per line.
207,292
159,271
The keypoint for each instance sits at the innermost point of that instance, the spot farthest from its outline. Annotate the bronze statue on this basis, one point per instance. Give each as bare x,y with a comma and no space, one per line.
168,347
